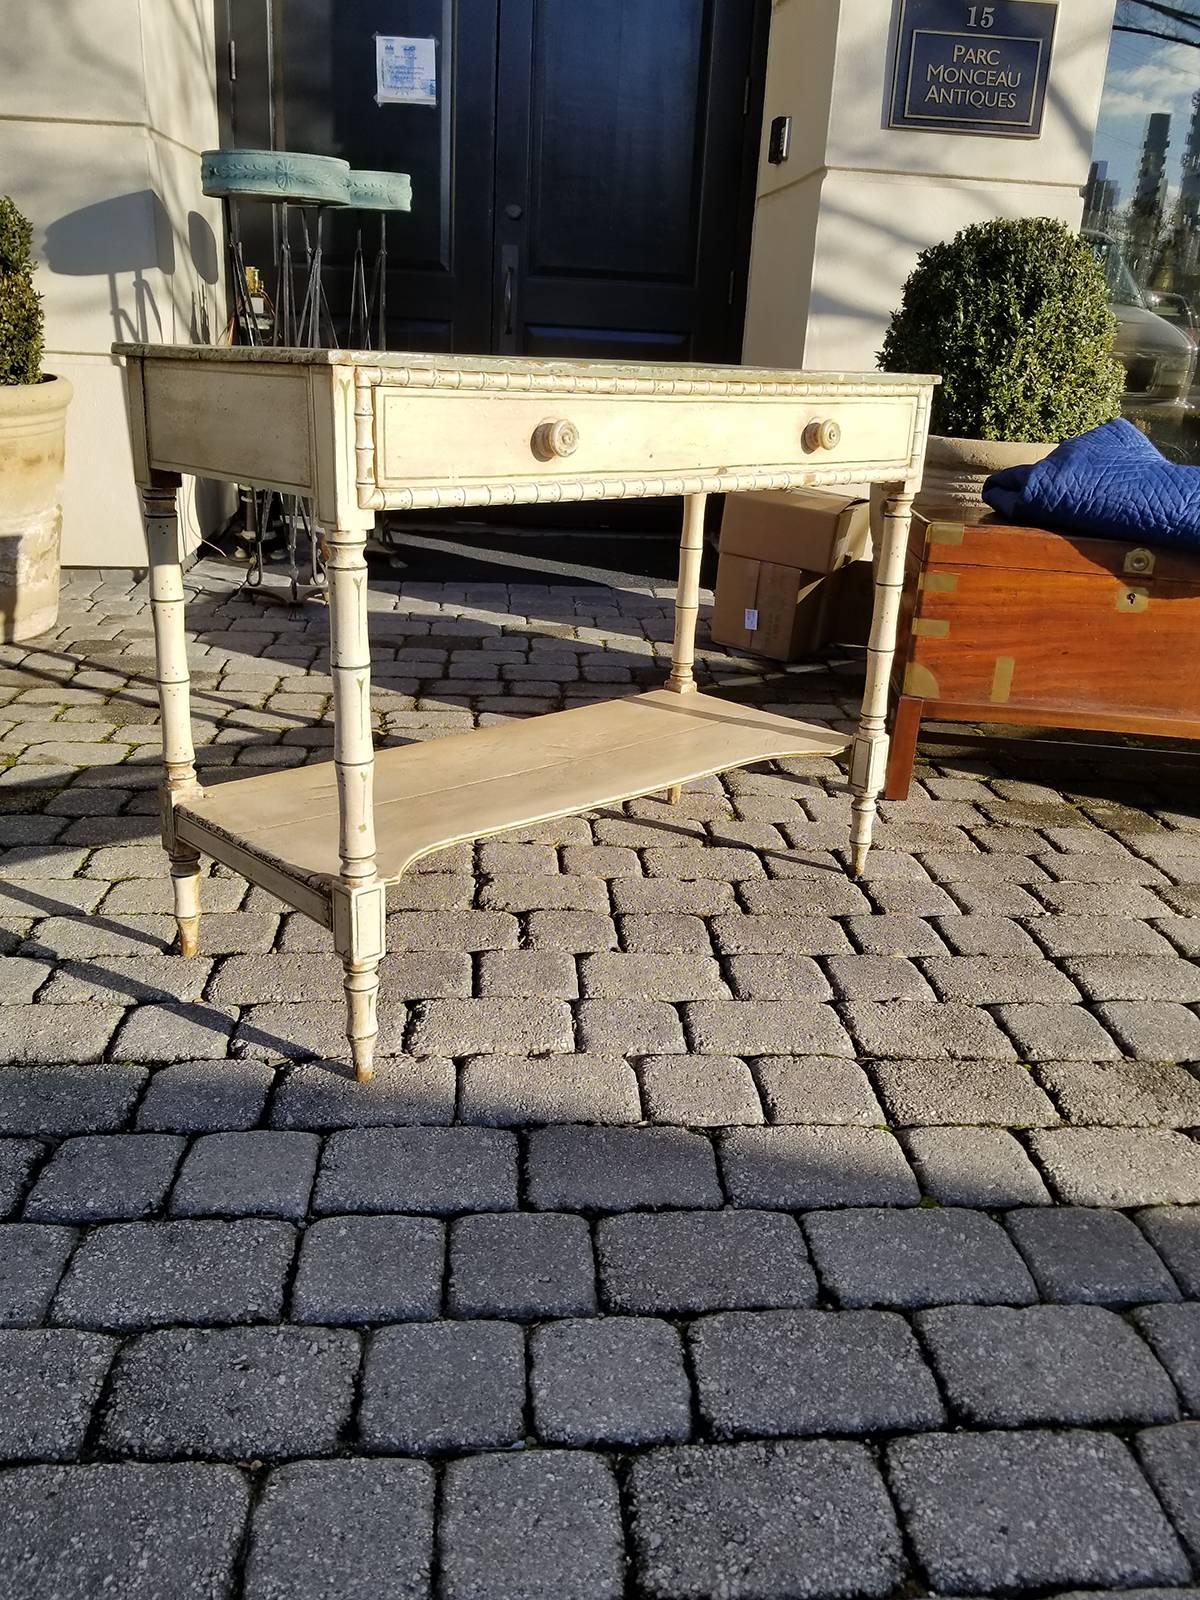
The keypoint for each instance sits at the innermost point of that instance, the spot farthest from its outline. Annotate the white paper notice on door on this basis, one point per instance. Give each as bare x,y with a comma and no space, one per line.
405,70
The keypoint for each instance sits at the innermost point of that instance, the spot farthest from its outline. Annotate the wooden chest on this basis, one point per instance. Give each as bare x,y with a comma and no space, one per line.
1009,624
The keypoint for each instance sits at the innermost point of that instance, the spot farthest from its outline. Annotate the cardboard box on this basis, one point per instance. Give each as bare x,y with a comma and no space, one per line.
790,579
803,528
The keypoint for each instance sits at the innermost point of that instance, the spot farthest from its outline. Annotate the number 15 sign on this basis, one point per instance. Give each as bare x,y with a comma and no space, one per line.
963,67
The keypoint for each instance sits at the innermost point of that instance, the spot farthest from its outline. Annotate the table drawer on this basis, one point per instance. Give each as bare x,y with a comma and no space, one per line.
455,439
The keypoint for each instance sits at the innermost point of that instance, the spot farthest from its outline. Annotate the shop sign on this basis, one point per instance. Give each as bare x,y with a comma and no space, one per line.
966,67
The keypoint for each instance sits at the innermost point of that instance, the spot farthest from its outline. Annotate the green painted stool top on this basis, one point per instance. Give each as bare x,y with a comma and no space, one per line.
380,191
275,175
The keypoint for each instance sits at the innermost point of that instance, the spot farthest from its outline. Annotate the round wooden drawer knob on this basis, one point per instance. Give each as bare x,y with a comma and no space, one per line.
825,435
551,439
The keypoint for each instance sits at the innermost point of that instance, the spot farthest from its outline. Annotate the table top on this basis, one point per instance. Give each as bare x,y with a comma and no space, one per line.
536,371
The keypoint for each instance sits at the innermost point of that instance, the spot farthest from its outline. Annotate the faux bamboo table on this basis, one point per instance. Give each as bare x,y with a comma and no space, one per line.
361,432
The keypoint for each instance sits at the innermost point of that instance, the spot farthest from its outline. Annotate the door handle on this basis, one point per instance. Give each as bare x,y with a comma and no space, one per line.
508,300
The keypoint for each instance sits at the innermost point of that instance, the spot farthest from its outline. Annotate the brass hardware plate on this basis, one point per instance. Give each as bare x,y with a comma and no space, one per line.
945,533
930,627
1132,599
1002,677
1139,563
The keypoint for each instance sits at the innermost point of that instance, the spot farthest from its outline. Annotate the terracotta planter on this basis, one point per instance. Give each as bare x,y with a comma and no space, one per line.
956,469
33,419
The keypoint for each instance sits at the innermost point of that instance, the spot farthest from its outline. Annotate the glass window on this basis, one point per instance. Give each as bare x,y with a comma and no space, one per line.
1142,214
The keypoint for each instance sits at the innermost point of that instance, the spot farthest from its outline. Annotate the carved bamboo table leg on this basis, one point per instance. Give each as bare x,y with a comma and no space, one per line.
357,894
687,606
868,755
179,780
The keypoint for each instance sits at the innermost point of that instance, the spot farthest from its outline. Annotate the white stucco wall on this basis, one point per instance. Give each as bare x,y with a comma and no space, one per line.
839,225
106,106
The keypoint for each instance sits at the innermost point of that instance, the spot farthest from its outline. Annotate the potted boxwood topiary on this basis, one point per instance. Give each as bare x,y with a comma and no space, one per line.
33,415
1015,317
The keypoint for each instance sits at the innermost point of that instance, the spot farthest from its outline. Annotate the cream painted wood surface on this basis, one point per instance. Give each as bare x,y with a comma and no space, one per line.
364,431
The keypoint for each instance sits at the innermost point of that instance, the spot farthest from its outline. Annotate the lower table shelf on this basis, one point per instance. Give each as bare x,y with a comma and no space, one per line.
444,791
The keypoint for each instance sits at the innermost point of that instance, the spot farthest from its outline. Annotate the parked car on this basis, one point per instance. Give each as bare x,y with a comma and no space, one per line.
1176,309
1158,358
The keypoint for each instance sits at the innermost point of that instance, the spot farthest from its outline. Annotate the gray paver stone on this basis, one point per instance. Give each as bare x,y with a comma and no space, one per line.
877,977
765,1027
205,1097
1174,1333
45,1035
941,1092
1170,1458
1098,935
916,1258
369,1269
144,1533
681,1262
511,1091
816,1089
612,975
1124,1093
52,1379
984,936
247,1174
780,1373
102,1177
992,979
1174,1231
523,1265
137,1275
18,1157
1031,1510
480,1027
1056,1033
1089,1256
235,1393
32,1258
793,1168
1135,977
763,1522
620,1169
1155,1030
325,1095
905,1028
437,1170
1119,1166
343,1530
699,1091
777,978
307,1030
443,1386
545,1526
737,933
548,974
612,1380
1045,1364
983,1167
58,1100
629,1027
169,1032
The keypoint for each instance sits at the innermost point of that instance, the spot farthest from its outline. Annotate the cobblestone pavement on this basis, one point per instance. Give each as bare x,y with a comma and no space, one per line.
716,1226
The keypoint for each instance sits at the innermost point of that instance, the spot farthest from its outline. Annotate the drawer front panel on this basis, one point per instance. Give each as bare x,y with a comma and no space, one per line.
454,438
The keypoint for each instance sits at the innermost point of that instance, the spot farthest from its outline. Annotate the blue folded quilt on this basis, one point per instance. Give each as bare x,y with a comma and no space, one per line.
1111,483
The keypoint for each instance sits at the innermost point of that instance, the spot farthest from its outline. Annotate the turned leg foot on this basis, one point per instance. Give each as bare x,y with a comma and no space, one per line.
185,884
362,1022
861,825
674,794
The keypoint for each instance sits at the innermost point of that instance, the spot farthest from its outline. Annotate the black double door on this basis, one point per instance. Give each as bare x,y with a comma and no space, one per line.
583,185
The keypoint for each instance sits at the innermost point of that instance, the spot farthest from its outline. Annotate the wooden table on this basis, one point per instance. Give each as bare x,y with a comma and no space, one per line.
359,433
